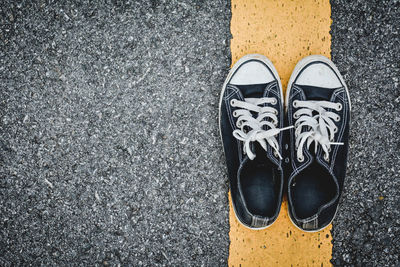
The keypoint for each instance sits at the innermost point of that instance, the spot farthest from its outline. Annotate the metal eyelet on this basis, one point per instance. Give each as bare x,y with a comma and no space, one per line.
274,101
276,154
301,159
329,150
326,158
232,102
339,107
337,118
275,112
295,103
235,114
295,116
335,129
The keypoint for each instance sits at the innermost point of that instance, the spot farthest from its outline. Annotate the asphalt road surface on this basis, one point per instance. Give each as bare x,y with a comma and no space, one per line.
109,145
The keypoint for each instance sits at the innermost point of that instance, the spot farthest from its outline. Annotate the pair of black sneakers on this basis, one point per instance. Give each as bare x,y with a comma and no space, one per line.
299,146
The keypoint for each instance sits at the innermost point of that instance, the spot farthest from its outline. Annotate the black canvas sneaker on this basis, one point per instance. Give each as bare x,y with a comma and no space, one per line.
251,120
318,106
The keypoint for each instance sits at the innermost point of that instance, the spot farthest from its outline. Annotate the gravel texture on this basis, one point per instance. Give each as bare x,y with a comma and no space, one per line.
366,48
109,143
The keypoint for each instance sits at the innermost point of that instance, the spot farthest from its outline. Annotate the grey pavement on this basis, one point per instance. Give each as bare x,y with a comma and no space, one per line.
366,49
109,144
110,152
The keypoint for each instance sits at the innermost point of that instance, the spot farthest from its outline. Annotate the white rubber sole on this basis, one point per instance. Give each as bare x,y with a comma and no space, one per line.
307,60
248,227
242,60
310,231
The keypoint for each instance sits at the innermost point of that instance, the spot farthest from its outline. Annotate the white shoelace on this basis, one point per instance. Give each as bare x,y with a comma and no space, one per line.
320,128
251,129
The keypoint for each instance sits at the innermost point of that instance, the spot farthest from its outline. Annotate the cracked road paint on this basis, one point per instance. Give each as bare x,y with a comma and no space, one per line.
285,32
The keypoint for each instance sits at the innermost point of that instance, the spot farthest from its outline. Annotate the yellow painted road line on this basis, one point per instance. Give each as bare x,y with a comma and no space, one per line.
285,32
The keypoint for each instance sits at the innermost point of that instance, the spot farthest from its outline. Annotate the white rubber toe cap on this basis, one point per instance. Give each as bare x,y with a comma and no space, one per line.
252,72
319,75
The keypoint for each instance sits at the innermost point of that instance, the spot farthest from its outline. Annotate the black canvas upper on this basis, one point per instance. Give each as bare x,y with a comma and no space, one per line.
240,166
326,176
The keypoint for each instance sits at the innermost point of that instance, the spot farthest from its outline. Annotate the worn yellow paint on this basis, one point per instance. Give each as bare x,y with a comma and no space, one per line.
285,32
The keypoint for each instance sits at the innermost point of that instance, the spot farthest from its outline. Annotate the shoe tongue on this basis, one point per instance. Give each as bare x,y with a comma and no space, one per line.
262,157
311,150
252,90
317,93
261,154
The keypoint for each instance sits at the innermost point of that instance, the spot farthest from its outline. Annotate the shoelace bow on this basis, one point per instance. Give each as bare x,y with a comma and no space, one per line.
320,128
251,128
